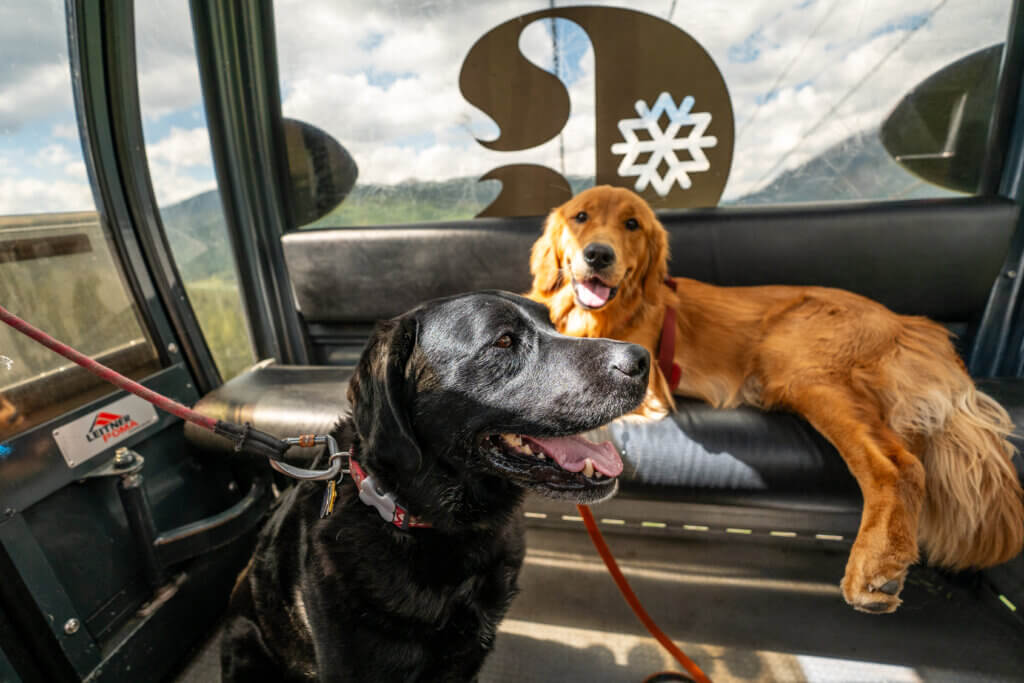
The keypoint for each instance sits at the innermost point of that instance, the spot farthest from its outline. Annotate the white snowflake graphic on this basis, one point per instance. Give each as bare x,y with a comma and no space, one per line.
663,144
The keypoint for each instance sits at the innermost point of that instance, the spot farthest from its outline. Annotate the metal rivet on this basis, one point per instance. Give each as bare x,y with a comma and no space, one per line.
172,348
123,457
1011,274
71,626
9,512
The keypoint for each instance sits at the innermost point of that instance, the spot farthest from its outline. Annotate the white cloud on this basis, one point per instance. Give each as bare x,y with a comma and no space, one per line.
181,147
75,169
36,92
417,125
53,179
175,161
171,184
65,131
32,195
165,50
54,155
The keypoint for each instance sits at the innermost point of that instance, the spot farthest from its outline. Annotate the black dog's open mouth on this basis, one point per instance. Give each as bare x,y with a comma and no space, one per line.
592,293
565,463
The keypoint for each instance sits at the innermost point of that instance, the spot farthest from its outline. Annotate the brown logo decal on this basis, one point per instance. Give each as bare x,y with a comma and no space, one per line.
664,122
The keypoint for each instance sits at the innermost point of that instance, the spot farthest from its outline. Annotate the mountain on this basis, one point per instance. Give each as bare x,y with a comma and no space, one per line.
856,168
198,235
415,201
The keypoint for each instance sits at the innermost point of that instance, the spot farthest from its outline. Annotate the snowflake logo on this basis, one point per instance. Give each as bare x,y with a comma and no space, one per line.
663,144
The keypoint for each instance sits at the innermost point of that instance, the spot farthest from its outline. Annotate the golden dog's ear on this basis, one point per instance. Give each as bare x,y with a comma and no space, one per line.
657,263
545,259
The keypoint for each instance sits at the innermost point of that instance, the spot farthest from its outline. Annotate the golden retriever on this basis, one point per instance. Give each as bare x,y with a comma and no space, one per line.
927,449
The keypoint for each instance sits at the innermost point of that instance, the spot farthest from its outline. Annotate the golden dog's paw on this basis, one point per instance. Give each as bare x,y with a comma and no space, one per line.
874,579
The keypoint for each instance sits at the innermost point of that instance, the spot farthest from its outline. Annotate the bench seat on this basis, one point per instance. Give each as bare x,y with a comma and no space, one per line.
740,456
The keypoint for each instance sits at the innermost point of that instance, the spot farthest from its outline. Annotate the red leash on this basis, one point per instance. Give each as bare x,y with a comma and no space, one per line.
244,436
627,592
105,373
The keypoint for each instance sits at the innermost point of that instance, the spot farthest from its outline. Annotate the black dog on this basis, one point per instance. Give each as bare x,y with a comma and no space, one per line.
458,407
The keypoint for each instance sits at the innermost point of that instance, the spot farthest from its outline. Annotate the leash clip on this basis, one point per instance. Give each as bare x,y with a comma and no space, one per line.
335,466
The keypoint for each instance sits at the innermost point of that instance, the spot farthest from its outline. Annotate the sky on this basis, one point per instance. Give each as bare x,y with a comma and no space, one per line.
382,78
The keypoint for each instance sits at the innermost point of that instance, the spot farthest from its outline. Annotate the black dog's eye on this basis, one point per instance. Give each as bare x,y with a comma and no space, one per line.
631,224
581,217
504,341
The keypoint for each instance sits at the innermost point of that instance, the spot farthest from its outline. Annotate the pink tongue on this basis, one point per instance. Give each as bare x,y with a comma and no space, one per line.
570,452
592,293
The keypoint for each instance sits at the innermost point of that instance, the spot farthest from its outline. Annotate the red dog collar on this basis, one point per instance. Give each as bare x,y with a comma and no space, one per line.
389,509
667,346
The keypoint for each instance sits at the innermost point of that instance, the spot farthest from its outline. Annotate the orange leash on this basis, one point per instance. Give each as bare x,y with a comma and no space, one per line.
632,600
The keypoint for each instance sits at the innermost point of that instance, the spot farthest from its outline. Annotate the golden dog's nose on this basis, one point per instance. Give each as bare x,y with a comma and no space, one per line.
598,255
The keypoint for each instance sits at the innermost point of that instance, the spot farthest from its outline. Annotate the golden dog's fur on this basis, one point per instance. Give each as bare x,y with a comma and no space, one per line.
927,449
11,419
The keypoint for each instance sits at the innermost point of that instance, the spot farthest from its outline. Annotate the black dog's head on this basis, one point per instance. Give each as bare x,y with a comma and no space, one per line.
479,392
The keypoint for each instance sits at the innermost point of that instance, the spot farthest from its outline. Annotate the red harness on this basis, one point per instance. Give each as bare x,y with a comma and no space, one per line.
389,509
667,345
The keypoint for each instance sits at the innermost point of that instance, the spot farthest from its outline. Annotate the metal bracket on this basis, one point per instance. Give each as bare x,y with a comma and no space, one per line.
160,550
124,463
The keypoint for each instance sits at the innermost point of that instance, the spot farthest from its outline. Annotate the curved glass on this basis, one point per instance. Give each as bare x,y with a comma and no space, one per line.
181,169
58,268
436,105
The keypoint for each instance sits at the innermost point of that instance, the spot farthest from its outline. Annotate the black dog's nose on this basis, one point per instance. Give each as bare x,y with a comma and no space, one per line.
633,360
597,255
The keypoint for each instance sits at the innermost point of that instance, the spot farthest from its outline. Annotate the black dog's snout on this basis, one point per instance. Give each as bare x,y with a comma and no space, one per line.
632,361
597,255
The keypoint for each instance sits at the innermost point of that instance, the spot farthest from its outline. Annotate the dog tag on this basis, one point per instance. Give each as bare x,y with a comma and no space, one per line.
330,495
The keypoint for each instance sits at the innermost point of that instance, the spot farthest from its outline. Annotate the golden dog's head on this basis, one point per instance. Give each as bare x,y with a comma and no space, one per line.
605,243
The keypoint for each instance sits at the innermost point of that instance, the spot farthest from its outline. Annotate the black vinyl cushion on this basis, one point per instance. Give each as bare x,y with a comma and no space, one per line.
881,250
742,455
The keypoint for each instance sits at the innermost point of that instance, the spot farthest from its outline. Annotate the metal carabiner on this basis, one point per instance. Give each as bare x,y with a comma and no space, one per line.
335,467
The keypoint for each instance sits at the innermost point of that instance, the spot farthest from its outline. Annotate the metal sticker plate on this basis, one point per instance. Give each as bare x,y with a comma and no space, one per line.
98,430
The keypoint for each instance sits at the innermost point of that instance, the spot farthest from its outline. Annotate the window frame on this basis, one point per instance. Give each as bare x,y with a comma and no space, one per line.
236,45
101,40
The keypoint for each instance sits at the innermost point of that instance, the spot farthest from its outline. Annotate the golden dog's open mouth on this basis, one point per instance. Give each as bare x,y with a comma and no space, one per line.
592,293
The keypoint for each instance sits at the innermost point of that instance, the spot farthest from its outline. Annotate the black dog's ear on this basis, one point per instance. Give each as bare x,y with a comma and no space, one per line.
380,394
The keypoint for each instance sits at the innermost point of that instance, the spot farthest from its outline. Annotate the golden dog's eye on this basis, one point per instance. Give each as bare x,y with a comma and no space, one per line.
631,224
581,217
504,341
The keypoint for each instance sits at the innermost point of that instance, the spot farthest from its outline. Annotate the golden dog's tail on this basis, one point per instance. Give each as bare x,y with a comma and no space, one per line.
973,513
